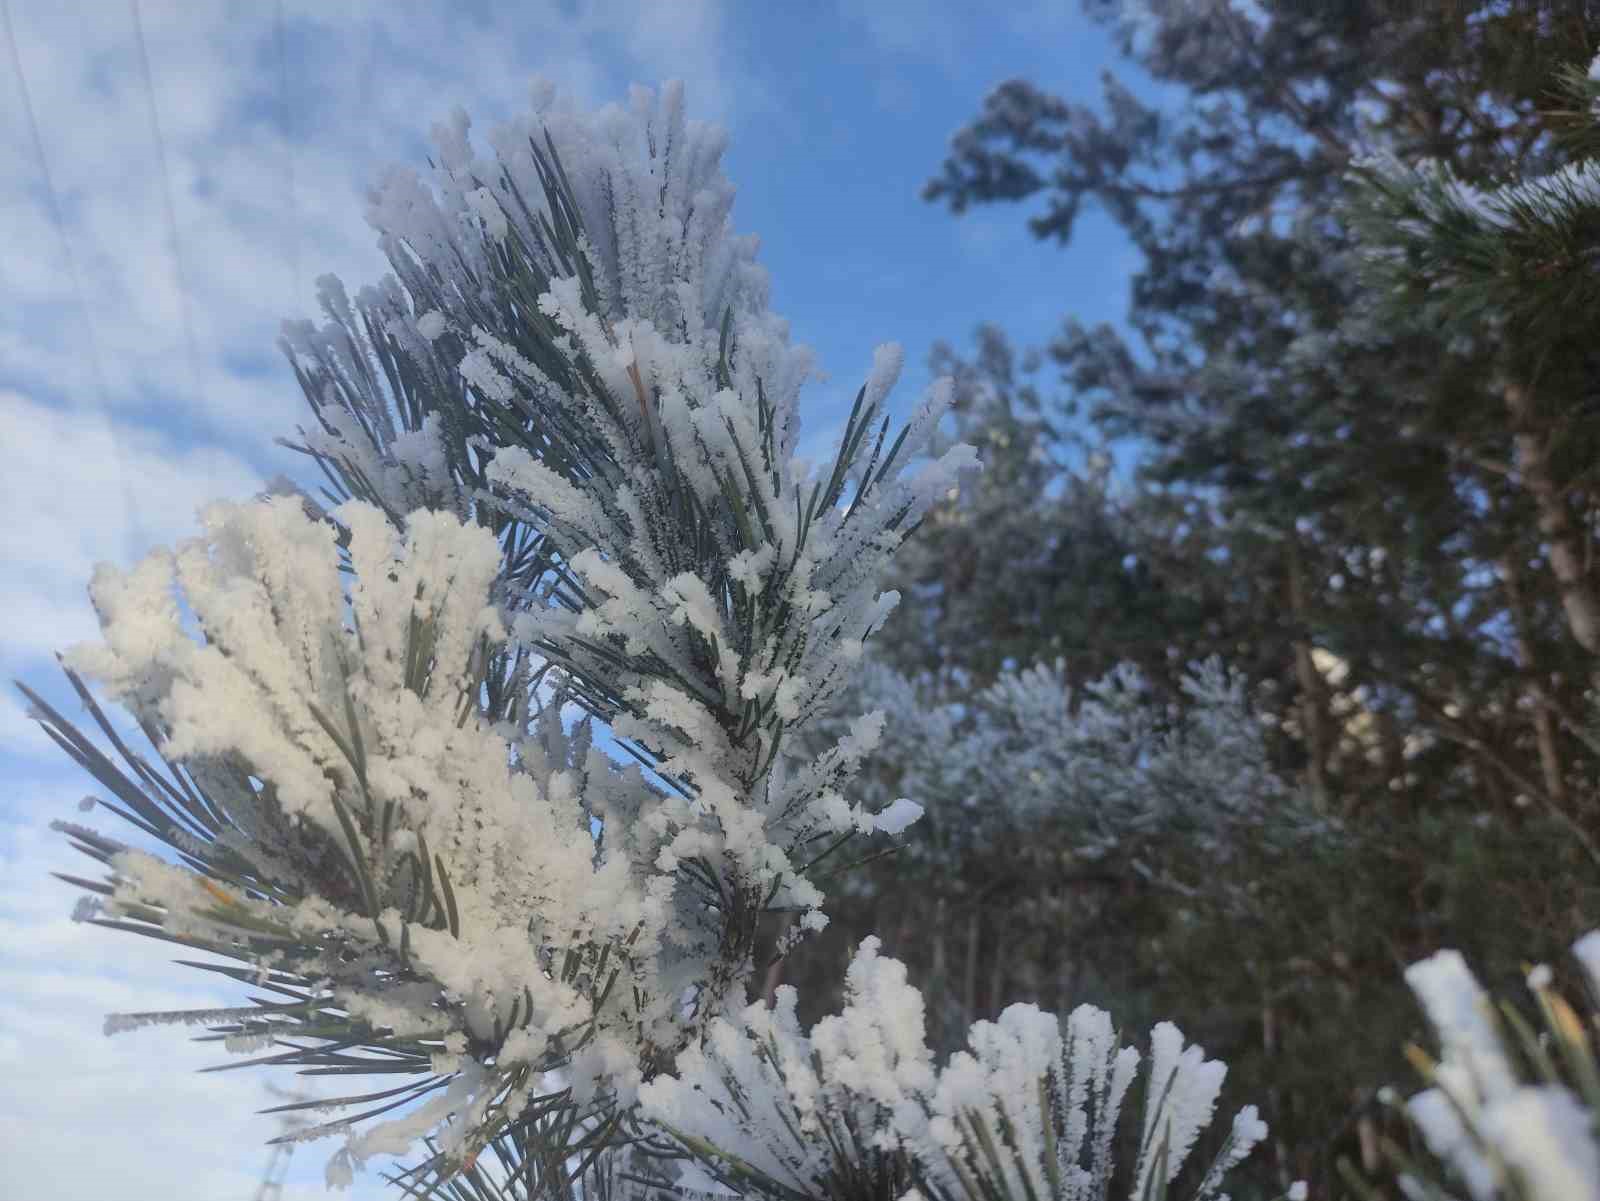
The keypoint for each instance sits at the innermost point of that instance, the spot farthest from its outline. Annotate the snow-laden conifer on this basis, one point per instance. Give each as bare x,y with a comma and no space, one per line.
1109,761
792,1115
560,453
857,1109
559,448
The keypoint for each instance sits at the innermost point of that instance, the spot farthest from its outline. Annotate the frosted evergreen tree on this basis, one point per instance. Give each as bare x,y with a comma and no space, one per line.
561,497
1506,265
1045,803
1509,265
1111,761
857,1108
1370,465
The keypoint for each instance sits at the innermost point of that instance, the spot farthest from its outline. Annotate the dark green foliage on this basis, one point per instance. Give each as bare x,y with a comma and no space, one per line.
1363,458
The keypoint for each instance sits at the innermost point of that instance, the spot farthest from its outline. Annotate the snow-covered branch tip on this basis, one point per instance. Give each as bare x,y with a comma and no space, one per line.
1489,1126
858,1109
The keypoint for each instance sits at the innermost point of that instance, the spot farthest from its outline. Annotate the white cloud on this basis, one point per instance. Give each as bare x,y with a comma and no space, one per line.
84,1117
267,162
267,159
1039,20
987,235
918,31
80,488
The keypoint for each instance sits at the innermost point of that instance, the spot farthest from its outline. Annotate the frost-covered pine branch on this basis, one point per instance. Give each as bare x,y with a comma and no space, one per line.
856,1110
1510,1110
560,460
1520,255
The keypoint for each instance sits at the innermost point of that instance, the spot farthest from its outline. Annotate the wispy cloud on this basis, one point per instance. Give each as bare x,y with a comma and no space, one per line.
272,121
80,488
269,133
923,32
84,1116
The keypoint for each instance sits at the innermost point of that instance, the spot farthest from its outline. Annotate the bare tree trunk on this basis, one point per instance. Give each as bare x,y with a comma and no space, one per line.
969,986
1313,690
1066,979
1392,746
1392,762
941,985
997,982
774,977
1269,1047
1367,1132
1563,540
1544,726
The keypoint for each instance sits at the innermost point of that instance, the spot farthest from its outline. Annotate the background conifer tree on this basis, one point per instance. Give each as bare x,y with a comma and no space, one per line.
1331,490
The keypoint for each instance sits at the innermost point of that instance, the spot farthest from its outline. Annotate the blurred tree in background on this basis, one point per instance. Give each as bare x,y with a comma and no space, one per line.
1346,441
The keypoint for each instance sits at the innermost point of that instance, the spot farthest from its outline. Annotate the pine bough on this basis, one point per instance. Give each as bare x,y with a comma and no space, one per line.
1511,1112
562,506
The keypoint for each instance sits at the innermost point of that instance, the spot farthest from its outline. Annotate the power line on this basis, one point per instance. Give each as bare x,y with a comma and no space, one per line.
277,1169
365,74
59,219
293,232
166,197
55,206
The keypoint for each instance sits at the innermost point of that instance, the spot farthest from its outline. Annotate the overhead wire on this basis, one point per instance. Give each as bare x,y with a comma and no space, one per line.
185,307
364,106
56,214
293,230
58,219
74,275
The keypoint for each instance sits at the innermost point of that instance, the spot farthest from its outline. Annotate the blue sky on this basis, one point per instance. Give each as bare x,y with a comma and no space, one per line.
137,383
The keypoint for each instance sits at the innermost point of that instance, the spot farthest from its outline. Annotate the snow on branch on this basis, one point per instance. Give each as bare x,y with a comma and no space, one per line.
558,445
858,1109
1491,1127
431,869
1517,250
614,397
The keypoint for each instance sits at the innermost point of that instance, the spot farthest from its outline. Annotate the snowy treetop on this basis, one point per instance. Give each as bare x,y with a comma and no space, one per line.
788,1115
559,449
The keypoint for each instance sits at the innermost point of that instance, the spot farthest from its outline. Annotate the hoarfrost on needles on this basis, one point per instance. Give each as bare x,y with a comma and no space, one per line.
443,871
564,437
866,1074
1479,1119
